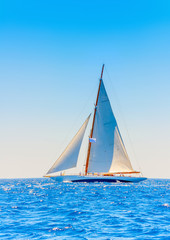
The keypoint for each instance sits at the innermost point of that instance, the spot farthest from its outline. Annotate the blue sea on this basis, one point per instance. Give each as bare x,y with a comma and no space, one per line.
44,209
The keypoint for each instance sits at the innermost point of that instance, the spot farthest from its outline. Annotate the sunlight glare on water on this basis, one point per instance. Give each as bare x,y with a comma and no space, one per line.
44,209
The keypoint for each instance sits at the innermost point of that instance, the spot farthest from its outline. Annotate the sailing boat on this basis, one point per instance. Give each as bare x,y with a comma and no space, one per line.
106,159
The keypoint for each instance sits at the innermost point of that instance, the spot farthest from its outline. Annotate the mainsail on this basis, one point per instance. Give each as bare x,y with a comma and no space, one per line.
69,157
108,153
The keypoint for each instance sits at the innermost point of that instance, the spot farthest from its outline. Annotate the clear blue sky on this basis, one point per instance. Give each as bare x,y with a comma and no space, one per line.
51,53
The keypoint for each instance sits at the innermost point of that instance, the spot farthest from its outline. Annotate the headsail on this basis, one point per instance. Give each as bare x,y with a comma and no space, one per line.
120,162
101,153
108,153
69,157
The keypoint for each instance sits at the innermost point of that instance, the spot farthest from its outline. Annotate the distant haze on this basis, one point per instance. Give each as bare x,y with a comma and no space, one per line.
51,54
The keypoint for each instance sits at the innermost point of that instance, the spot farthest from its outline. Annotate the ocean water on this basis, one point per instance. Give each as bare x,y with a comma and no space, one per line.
44,209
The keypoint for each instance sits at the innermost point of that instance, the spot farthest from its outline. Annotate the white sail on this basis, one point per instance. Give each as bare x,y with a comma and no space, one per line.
101,153
108,153
120,161
69,157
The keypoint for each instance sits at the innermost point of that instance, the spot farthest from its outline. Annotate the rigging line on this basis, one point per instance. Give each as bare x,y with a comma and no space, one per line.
124,122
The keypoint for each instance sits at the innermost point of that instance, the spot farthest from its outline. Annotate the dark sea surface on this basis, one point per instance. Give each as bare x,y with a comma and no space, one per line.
44,209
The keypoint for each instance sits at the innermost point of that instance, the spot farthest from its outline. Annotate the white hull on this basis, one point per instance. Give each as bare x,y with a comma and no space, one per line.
76,178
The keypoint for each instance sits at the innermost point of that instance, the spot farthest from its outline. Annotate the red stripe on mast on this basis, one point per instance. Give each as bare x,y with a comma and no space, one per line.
102,71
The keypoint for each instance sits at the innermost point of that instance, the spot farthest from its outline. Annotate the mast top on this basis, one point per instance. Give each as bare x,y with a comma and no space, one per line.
102,72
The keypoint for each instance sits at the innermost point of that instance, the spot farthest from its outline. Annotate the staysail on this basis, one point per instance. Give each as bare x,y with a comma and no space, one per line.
107,153
120,161
68,159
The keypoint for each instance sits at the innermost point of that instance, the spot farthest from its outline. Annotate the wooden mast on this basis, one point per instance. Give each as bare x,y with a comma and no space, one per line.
91,134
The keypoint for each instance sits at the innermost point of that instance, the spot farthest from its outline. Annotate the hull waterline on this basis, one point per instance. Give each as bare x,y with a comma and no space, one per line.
76,178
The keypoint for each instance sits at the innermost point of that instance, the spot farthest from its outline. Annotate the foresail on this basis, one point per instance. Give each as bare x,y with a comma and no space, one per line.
101,152
69,157
108,153
120,162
